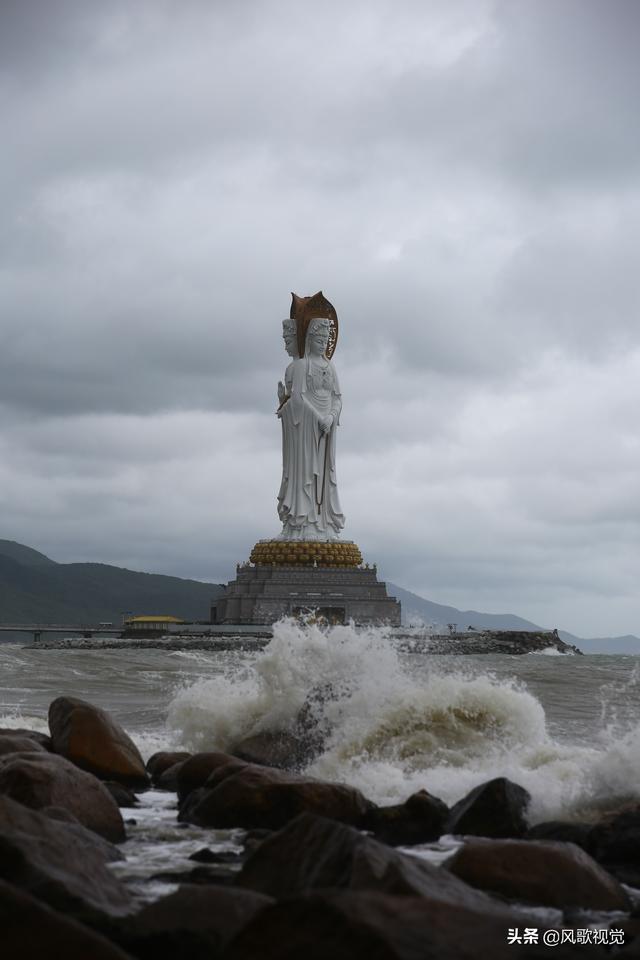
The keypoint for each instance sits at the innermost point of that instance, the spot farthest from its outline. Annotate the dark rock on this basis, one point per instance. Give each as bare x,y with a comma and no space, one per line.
215,856
493,809
419,820
211,874
168,779
255,796
345,925
617,838
18,744
562,831
42,780
274,749
91,738
61,863
194,923
254,838
121,794
161,761
541,873
194,772
315,853
32,931
40,738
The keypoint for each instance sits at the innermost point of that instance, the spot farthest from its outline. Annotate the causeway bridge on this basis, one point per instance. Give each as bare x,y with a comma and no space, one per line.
37,630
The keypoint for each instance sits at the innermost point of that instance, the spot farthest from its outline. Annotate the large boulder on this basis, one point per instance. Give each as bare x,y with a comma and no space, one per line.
195,771
195,922
63,864
31,930
541,873
313,853
493,809
91,738
420,819
18,743
615,843
42,779
255,796
279,749
40,738
162,760
344,925
563,831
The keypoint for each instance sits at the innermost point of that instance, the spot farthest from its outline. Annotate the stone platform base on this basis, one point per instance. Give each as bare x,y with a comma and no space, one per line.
263,593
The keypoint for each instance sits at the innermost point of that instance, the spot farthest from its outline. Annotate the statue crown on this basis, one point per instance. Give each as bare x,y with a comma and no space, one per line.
305,309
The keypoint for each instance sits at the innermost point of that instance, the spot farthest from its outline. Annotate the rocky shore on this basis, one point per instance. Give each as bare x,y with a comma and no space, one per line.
511,642
317,869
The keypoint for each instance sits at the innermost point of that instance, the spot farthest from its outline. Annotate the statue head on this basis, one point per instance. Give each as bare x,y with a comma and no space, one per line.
318,336
290,337
306,309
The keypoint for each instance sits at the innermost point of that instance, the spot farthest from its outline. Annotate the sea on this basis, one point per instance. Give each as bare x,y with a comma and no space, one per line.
395,719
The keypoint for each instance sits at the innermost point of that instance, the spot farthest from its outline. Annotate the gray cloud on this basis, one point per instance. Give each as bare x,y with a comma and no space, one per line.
462,181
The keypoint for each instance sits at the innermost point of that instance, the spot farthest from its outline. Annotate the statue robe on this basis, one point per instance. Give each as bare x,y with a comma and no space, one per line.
308,502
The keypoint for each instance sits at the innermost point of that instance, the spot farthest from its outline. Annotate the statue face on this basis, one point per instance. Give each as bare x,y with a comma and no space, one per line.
318,336
289,335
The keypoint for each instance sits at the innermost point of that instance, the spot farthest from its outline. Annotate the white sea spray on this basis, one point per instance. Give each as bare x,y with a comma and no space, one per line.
391,730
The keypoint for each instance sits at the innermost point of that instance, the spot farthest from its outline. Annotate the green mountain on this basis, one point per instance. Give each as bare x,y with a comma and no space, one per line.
417,610
34,588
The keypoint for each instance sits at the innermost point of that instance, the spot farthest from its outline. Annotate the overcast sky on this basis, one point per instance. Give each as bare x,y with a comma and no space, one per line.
461,179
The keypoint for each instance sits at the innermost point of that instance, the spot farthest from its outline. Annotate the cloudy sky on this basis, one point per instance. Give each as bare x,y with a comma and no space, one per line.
461,179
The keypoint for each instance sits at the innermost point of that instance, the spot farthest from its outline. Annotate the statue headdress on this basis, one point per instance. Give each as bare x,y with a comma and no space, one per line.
304,310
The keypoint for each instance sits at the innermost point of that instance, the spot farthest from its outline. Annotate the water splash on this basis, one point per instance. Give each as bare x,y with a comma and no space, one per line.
393,724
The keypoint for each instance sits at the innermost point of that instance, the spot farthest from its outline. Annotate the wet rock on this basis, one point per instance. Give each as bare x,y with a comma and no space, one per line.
541,873
32,930
217,874
168,779
42,780
91,738
40,738
121,794
419,820
17,743
316,853
615,843
280,749
562,831
63,864
493,809
194,923
345,925
255,796
161,761
195,771
215,856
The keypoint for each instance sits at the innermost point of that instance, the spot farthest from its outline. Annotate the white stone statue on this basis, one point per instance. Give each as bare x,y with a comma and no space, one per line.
310,405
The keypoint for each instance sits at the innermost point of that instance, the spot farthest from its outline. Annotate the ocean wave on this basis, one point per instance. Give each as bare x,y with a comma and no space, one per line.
391,726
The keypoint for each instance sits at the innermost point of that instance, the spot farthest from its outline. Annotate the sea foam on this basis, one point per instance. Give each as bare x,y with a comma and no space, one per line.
394,724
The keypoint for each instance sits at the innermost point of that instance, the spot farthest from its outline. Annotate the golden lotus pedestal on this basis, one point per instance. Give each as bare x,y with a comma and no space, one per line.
295,578
307,553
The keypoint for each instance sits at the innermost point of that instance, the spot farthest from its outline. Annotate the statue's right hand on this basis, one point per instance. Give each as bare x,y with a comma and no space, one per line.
326,423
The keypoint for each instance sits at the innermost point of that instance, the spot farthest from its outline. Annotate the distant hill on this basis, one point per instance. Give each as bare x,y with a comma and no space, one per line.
415,608
35,588
626,644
